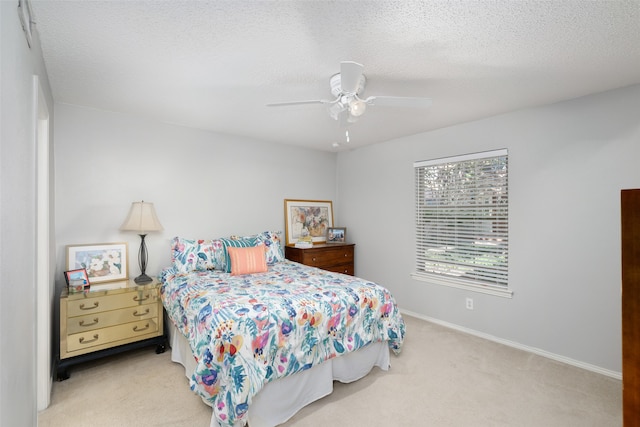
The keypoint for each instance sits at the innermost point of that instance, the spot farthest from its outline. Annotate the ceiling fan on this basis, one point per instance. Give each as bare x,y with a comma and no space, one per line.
347,87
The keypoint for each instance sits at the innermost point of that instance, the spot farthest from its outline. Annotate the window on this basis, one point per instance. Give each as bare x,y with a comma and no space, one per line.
462,222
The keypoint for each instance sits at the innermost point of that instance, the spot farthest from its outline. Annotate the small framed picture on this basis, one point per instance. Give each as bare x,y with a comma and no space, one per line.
336,234
77,280
104,262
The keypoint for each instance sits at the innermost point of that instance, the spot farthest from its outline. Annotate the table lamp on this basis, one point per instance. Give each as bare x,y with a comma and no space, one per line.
142,218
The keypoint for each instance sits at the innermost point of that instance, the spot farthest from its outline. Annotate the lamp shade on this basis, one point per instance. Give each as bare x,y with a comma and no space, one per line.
142,218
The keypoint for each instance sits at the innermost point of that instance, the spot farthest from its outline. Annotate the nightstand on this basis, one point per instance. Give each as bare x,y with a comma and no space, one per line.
337,257
107,319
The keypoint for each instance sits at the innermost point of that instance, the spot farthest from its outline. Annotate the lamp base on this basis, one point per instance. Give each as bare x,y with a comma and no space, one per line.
143,278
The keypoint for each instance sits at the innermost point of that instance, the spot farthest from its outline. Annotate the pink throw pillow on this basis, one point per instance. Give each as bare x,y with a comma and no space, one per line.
247,260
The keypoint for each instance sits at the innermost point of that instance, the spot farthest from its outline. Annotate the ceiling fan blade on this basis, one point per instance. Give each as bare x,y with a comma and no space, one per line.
313,101
350,73
399,101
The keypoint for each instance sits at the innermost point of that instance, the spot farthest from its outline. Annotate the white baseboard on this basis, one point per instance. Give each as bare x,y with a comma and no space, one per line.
539,352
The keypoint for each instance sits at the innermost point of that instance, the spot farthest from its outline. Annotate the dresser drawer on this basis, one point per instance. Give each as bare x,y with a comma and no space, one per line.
104,319
96,304
344,269
97,337
328,257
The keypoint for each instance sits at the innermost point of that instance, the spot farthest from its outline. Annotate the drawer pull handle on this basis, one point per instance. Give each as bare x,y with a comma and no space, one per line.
95,321
95,305
313,259
82,340
135,328
141,299
346,255
135,313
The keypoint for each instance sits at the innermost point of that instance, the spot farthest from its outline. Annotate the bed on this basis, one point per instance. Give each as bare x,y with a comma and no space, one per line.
262,340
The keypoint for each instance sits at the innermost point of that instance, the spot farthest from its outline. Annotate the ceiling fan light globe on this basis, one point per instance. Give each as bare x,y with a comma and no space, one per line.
357,107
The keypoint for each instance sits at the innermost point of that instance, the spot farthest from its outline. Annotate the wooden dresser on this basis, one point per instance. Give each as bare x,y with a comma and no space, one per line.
630,221
107,319
337,257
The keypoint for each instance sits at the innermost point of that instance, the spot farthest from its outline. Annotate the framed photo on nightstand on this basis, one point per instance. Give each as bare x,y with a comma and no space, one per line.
77,280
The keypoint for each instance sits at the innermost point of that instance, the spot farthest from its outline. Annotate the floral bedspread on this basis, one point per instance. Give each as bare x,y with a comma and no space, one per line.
246,331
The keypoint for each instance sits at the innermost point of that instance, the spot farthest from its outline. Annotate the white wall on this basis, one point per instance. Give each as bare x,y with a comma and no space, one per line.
568,163
18,218
203,185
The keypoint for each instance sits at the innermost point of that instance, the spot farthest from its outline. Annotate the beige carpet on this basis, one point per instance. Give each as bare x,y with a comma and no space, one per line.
442,378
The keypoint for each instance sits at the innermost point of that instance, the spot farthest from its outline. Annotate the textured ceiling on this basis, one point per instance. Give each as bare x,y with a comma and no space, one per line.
215,64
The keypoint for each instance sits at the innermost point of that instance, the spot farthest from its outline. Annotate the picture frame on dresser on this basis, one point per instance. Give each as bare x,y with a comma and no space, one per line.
77,280
336,234
307,218
104,262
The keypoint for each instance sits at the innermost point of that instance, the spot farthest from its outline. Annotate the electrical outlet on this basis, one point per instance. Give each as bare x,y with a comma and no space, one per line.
469,303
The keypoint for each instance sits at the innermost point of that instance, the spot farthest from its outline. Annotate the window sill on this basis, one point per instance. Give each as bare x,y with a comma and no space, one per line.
484,289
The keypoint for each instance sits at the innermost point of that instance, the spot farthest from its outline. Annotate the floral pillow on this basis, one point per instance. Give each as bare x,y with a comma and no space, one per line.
197,255
271,240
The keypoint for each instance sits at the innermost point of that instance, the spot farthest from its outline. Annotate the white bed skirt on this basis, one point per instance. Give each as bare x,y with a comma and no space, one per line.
279,400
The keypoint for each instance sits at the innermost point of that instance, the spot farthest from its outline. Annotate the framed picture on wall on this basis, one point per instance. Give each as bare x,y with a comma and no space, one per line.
336,234
104,262
307,218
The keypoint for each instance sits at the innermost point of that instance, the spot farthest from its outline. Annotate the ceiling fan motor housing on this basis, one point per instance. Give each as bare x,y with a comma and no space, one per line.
347,101
336,86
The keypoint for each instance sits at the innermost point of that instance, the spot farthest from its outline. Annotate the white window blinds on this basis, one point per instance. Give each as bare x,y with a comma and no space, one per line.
462,228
